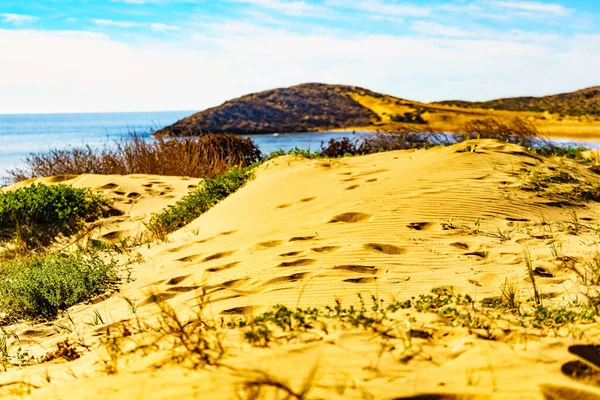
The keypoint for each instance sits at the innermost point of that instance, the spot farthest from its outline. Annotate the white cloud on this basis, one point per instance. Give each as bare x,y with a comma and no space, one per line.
17,19
158,27
534,6
435,29
294,7
382,7
48,71
120,24
138,2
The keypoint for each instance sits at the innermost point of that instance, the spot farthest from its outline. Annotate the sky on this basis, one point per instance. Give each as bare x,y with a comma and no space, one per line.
153,55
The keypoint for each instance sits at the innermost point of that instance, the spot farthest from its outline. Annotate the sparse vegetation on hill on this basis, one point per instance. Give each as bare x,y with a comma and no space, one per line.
302,108
322,107
581,102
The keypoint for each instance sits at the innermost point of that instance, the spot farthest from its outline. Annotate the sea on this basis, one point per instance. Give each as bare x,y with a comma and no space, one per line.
24,134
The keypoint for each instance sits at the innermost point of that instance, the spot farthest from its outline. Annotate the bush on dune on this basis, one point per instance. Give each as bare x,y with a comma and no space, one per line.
41,286
199,156
197,202
34,215
515,130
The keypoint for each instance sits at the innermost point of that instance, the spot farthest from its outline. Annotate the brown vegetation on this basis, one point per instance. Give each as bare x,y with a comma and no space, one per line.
199,157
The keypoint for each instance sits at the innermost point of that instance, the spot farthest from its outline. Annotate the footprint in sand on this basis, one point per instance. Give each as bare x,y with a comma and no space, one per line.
248,310
350,217
177,280
363,269
360,280
352,187
421,226
284,205
268,244
307,199
291,254
191,258
115,235
217,256
109,186
384,248
223,267
234,283
480,254
301,238
325,249
286,279
157,298
298,263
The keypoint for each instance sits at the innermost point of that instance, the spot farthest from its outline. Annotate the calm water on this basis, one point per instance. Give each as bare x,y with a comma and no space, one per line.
23,134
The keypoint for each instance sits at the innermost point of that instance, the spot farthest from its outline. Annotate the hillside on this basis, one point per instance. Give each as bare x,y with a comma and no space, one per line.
321,107
581,102
302,108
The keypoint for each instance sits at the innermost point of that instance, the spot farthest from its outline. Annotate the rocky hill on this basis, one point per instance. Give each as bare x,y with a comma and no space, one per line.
321,107
581,102
302,108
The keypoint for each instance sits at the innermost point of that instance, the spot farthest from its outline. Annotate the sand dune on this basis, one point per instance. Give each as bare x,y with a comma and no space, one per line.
309,233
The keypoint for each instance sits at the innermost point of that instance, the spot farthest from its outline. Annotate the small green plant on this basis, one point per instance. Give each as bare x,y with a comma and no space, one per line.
42,286
197,202
35,215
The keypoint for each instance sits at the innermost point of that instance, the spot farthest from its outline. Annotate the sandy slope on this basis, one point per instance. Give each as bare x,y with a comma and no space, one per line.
308,232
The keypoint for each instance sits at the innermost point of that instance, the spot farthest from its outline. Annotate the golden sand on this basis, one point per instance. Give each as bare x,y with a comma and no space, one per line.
309,233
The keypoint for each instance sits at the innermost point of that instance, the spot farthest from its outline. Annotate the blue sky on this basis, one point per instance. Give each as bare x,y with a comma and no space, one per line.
136,55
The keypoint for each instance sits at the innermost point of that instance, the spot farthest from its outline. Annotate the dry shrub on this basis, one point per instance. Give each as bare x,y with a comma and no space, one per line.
401,138
199,157
515,130
405,137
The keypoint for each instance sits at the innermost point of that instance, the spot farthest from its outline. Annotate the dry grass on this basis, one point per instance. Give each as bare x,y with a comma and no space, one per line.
198,157
514,130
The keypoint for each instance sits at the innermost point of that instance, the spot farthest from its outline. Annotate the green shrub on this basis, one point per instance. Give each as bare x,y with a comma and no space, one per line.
42,286
197,202
34,215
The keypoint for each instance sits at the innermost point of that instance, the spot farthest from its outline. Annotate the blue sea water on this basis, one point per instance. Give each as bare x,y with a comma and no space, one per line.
22,134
